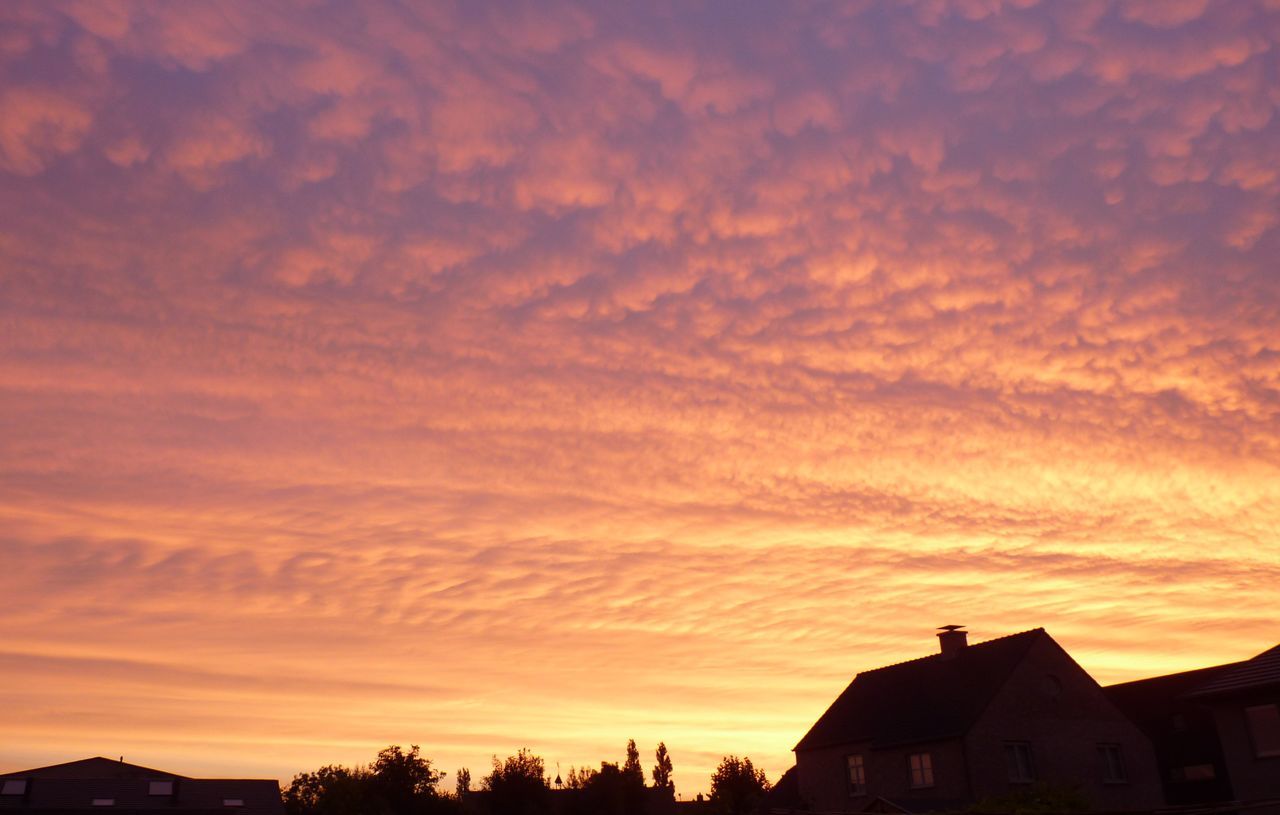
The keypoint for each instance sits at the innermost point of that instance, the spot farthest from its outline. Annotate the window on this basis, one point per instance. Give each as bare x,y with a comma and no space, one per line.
920,766
104,802
233,802
1112,764
857,776
1017,759
160,788
1264,727
14,786
1194,772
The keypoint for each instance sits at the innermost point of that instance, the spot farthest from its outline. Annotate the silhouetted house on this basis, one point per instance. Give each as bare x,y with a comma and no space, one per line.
1216,730
1193,768
970,723
784,796
101,786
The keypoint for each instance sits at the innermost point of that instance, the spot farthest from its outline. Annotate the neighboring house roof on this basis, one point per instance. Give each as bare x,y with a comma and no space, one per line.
785,794
97,767
929,698
1150,700
73,787
1263,671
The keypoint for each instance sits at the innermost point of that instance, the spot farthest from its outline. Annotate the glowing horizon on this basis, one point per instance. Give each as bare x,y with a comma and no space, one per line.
563,374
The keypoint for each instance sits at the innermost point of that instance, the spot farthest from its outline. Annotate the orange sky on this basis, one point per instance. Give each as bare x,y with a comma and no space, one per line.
562,374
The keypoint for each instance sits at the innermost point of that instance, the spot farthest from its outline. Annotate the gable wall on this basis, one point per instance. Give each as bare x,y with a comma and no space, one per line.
822,775
1064,731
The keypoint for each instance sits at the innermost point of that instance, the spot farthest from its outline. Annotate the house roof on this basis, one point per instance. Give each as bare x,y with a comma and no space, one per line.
1262,671
96,767
1151,700
933,697
126,789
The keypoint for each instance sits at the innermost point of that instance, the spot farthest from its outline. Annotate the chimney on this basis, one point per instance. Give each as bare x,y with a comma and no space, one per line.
953,640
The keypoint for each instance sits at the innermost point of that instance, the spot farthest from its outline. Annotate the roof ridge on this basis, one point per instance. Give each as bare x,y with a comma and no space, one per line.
1179,674
1039,629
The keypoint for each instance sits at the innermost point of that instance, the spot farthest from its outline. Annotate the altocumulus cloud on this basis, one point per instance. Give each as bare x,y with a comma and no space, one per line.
560,373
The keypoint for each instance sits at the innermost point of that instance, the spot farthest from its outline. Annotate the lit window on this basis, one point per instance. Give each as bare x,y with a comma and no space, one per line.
857,776
14,786
160,788
1017,759
1112,764
104,802
1195,772
233,802
921,768
1264,727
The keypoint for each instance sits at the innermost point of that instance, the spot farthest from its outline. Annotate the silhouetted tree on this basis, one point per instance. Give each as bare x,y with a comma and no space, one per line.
516,786
662,770
462,784
631,767
404,782
578,778
397,783
1039,797
737,787
605,792
330,790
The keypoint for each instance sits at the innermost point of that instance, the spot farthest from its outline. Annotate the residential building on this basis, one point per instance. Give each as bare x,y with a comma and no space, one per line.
102,786
970,723
1216,731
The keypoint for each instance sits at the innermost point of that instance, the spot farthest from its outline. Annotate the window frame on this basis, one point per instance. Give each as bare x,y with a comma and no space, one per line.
1019,762
13,786
159,788
1251,724
1114,769
920,771
859,786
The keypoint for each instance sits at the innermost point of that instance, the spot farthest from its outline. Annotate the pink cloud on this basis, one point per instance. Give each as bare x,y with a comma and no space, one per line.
39,125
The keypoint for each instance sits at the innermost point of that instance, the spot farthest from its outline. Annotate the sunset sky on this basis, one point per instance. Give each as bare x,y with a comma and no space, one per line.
481,376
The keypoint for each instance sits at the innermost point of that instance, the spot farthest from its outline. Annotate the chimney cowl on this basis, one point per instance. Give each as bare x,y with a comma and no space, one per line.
952,639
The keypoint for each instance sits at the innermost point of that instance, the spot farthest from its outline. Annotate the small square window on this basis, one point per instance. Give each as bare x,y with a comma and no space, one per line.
1113,771
1264,728
233,802
160,788
104,802
1017,759
920,767
14,786
857,776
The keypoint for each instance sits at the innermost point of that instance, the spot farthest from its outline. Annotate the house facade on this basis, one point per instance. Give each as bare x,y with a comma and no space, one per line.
1216,731
101,786
970,723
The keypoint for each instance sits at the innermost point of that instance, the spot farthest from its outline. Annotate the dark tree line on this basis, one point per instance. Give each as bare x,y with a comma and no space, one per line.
406,783
397,783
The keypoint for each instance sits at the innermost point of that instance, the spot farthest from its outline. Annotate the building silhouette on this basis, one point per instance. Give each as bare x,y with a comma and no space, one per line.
102,786
1216,730
972,723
